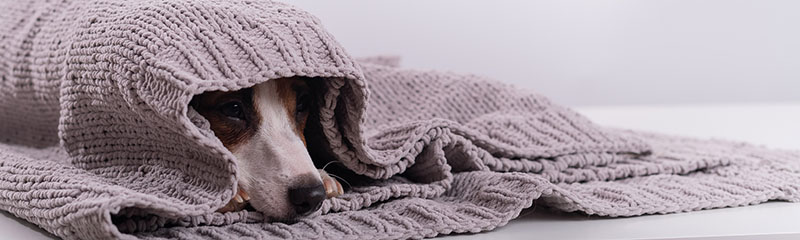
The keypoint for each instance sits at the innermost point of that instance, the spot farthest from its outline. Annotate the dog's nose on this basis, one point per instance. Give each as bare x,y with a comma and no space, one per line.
307,199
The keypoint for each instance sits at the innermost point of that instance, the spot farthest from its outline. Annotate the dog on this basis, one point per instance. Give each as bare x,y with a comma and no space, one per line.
263,127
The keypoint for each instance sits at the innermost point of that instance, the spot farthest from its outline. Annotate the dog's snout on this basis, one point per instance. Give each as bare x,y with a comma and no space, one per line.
307,199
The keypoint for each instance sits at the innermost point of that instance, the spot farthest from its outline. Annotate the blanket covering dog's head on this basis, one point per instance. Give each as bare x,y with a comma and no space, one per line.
112,81
186,48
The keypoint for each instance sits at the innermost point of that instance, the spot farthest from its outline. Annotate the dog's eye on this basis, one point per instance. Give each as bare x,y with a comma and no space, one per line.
302,102
233,109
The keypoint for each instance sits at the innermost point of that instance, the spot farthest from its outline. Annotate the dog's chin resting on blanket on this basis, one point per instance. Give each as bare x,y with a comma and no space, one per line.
98,139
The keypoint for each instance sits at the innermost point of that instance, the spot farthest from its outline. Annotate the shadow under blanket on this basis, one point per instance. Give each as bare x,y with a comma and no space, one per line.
97,140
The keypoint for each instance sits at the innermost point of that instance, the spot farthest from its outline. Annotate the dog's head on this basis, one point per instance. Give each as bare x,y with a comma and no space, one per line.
263,127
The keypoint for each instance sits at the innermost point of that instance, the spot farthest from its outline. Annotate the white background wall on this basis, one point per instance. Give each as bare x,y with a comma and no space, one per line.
589,52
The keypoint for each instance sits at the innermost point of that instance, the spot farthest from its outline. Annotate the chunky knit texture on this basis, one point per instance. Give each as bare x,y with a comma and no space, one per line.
97,140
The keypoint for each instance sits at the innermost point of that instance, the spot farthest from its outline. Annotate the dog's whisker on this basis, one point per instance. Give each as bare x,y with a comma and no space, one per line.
329,163
340,178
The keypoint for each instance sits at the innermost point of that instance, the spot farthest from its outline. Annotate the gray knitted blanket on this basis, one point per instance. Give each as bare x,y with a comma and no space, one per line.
97,141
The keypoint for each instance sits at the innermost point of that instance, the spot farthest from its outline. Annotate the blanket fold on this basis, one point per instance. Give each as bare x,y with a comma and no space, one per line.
97,140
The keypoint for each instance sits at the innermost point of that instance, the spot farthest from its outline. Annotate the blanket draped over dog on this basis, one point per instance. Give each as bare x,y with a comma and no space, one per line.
97,139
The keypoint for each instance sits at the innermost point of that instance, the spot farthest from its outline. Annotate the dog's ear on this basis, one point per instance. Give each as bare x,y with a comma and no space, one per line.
318,147
316,143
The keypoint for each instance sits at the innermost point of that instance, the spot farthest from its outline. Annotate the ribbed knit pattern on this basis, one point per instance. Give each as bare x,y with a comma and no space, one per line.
97,140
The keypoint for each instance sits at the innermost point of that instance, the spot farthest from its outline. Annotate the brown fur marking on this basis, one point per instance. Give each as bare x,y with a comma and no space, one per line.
288,91
231,132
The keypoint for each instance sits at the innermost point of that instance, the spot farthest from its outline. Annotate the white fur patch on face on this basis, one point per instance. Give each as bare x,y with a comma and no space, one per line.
270,162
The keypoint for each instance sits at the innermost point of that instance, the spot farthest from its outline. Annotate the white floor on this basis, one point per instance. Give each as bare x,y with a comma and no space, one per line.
15,228
773,125
772,219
